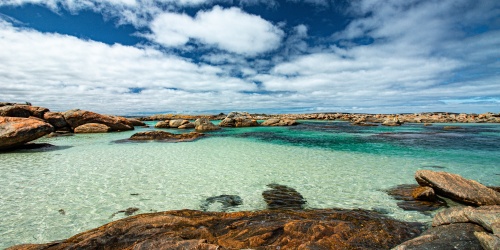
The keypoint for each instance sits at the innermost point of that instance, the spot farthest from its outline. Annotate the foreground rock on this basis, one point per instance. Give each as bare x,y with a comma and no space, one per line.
78,117
238,119
204,124
15,131
460,228
165,136
283,197
276,229
458,188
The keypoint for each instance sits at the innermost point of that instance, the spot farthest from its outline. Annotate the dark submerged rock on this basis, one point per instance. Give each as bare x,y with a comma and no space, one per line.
227,202
269,229
457,188
283,197
129,211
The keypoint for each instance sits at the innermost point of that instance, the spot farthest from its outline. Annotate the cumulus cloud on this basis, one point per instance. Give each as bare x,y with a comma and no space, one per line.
228,29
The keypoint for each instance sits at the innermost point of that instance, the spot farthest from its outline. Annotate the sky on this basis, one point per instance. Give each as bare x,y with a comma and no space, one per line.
133,57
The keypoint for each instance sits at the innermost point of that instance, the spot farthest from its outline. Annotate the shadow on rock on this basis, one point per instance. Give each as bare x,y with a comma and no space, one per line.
226,201
36,147
283,197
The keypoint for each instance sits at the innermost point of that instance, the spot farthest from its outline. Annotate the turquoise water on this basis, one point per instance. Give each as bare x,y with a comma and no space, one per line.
49,195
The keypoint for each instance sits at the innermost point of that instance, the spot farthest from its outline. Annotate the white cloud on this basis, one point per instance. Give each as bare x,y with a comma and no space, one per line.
228,29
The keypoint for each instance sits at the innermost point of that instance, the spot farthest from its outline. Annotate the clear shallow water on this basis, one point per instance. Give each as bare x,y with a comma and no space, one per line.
332,164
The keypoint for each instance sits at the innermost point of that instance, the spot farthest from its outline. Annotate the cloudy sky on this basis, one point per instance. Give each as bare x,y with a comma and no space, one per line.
293,56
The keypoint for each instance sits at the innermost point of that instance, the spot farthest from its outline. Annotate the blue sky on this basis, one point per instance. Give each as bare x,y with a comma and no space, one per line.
294,56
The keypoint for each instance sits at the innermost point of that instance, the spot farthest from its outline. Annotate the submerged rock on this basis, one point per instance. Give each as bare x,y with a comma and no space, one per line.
283,197
165,136
404,193
16,131
275,229
227,202
457,188
129,211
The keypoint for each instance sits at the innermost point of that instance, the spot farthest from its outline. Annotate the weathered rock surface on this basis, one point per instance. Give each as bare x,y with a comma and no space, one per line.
458,236
162,124
92,128
165,136
16,131
458,188
283,197
404,193
78,117
488,241
14,111
275,229
204,124
238,119
279,122
485,216
55,119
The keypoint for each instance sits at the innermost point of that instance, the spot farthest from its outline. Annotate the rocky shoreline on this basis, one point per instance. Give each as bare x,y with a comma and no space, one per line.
473,223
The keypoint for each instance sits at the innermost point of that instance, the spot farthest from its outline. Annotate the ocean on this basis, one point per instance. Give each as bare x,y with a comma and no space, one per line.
82,182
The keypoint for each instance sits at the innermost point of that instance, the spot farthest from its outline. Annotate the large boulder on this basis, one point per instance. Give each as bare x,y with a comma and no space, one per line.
15,131
78,117
165,136
238,119
55,119
14,111
204,124
456,187
92,128
268,229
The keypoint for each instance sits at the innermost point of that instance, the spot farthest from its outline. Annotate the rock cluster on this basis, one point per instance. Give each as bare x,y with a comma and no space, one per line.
461,227
165,136
238,119
22,123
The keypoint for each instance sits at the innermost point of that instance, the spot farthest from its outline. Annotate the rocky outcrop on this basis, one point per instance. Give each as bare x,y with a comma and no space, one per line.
204,124
279,122
268,229
14,111
165,136
92,128
458,188
78,117
283,197
238,119
424,194
16,131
